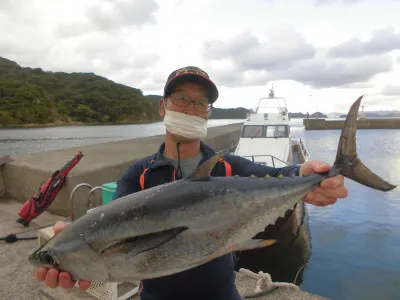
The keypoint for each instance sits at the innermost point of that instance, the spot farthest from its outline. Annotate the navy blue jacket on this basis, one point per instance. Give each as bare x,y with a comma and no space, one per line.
213,280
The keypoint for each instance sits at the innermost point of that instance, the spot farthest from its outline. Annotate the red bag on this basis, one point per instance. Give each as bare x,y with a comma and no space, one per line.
47,192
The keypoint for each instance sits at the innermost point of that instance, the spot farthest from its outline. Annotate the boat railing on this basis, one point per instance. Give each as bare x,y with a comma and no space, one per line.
303,148
273,159
270,103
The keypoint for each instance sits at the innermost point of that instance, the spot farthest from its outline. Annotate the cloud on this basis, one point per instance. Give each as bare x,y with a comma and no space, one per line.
106,55
381,41
282,46
18,10
376,102
231,76
323,73
370,102
359,85
107,15
86,49
5,5
286,55
391,90
324,2
225,75
27,44
228,76
178,2
350,2
153,87
155,83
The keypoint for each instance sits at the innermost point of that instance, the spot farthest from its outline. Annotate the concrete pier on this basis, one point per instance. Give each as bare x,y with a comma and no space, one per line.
102,163
322,124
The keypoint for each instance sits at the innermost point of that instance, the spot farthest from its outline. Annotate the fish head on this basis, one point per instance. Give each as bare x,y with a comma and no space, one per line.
72,256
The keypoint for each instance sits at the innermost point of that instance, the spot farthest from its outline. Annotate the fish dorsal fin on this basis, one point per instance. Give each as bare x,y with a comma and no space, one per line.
203,171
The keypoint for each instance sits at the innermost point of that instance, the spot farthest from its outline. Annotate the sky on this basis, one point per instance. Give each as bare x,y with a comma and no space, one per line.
320,55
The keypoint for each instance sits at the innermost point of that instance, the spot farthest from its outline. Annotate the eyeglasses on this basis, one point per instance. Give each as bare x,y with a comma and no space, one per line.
183,101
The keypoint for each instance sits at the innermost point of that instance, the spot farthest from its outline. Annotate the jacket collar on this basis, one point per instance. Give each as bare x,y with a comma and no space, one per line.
160,161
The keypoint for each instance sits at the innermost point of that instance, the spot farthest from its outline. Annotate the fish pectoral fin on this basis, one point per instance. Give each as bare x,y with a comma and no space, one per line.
203,171
253,244
137,244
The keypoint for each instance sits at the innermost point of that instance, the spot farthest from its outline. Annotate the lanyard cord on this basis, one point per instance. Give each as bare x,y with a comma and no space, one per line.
12,237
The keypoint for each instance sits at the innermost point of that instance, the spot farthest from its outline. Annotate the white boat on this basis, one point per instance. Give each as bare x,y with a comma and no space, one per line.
266,139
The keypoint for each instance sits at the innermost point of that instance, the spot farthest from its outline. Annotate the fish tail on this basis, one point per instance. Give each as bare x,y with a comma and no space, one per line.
347,160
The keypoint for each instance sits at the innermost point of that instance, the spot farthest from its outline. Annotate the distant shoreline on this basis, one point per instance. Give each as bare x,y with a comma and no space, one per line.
74,123
68,124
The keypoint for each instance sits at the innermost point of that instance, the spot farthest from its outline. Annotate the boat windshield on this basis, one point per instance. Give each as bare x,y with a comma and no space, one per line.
267,131
253,131
277,131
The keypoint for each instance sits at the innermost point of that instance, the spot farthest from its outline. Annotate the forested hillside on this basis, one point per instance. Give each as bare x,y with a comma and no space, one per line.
33,96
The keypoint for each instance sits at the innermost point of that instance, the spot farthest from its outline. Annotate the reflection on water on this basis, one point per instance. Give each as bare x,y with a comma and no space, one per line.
355,243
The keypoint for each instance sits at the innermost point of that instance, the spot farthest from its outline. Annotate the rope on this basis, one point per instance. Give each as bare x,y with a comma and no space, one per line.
264,284
298,272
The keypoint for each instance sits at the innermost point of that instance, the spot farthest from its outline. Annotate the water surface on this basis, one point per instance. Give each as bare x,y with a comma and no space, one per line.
22,141
356,242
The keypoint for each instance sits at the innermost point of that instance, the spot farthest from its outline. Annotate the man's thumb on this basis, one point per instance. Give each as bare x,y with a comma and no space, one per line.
321,166
59,226
313,166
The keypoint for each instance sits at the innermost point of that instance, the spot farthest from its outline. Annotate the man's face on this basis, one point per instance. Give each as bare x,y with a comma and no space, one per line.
177,101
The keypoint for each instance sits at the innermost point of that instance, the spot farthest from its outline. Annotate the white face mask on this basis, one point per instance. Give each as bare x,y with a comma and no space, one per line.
191,127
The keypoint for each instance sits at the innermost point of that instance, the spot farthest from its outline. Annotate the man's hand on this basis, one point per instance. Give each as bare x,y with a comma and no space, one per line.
52,277
329,190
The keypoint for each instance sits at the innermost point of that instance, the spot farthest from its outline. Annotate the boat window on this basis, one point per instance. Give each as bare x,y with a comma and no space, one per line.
277,131
253,131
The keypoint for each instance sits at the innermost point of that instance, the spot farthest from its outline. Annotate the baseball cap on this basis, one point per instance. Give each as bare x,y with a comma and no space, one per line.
191,73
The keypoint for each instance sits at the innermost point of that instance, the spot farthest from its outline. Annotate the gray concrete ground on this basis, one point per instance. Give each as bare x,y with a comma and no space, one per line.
17,275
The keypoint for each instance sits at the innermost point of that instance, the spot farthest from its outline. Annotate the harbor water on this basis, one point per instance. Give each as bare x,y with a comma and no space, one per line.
355,244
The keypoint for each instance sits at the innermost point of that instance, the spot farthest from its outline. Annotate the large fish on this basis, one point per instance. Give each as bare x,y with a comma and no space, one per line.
183,224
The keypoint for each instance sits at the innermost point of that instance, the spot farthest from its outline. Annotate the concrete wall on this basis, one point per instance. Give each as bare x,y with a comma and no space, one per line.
320,124
101,163
3,160
2,183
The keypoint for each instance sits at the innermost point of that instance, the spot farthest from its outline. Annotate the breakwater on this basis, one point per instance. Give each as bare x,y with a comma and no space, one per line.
102,163
321,124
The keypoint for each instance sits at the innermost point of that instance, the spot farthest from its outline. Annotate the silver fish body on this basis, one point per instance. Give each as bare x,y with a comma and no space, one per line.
177,226
180,225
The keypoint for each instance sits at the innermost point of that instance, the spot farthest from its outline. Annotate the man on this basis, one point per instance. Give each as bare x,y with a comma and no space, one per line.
188,97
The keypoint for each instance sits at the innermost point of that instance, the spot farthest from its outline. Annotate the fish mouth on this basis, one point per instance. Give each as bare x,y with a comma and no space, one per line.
35,261
34,257
41,258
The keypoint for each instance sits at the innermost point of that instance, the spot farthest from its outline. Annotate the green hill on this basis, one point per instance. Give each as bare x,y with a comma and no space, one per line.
229,113
33,96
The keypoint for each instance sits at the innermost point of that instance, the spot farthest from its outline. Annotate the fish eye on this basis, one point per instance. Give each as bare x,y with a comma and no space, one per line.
47,258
